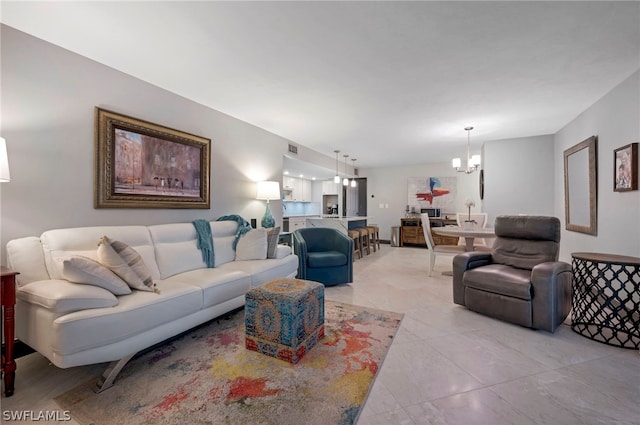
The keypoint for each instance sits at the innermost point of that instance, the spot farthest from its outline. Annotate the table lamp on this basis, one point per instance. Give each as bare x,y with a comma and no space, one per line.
267,191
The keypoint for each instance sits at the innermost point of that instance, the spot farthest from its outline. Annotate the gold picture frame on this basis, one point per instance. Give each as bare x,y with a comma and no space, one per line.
139,164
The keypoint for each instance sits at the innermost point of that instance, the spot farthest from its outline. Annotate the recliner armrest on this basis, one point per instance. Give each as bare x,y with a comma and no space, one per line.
463,262
551,294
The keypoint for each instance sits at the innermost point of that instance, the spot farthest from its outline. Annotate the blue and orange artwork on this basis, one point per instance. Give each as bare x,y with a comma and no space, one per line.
435,191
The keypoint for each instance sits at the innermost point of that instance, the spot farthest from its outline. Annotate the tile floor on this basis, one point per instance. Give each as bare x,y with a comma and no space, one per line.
447,366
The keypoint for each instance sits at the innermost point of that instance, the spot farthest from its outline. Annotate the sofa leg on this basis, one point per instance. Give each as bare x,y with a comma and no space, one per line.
109,376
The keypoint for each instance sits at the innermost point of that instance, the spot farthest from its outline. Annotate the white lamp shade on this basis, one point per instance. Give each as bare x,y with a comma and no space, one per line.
475,160
4,162
456,162
345,181
336,179
268,190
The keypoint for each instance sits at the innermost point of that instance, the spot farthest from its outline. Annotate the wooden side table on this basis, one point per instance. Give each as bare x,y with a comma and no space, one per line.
606,298
8,301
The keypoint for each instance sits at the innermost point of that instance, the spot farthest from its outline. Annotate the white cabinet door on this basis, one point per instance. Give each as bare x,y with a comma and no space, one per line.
292,187
297,223
306,190
329,187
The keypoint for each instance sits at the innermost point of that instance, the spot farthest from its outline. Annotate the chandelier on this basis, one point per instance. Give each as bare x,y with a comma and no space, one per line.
473,162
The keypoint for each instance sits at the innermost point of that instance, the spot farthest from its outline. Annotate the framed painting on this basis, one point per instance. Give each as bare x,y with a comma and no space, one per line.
139,164
625,168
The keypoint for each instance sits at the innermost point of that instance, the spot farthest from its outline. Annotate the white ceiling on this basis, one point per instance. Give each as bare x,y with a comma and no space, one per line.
387,82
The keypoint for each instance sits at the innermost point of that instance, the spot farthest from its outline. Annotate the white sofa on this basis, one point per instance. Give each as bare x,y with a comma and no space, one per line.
74,324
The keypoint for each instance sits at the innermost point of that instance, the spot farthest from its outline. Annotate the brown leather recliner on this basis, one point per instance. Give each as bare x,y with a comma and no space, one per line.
521,280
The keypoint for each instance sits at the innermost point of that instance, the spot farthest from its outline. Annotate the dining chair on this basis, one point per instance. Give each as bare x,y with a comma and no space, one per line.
480,222
448,250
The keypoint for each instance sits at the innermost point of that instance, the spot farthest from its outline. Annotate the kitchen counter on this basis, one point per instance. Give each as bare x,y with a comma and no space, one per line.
343,224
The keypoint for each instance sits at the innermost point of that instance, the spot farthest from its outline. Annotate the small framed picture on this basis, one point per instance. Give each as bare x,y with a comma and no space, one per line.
625,168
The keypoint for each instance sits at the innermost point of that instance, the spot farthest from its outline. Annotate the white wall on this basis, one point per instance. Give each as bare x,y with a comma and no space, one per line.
389,185
615,119
519,177
48,100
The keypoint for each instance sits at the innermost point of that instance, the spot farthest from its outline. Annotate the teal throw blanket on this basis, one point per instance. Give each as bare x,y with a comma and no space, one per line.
243,226
205,241
205,238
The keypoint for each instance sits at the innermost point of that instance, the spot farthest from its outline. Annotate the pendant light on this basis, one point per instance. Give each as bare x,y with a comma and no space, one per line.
336,179
472,161
353,180
345,180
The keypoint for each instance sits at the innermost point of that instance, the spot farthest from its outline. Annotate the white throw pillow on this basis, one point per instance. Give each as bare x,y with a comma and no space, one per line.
125,261
252,245
79,269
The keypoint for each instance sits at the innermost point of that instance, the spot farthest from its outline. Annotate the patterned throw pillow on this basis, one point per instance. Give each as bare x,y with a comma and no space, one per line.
252,245
273,235
125,261
79,269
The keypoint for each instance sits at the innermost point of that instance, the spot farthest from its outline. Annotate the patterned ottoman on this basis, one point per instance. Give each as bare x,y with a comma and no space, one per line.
284,318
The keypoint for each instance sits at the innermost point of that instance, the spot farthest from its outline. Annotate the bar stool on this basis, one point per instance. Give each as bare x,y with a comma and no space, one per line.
364,238
357,242
374,236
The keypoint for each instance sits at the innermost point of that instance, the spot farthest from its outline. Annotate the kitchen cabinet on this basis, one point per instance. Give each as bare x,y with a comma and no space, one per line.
330,188
296,189
306,191
297,223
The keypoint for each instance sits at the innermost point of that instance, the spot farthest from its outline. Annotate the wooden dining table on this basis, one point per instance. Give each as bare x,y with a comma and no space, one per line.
468,234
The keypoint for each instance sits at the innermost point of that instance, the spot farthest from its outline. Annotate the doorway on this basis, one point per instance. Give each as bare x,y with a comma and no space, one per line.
354,199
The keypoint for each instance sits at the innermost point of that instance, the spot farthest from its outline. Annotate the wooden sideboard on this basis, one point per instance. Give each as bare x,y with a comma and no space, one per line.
411,232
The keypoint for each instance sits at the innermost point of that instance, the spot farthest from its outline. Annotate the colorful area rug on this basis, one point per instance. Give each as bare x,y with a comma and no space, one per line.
208,377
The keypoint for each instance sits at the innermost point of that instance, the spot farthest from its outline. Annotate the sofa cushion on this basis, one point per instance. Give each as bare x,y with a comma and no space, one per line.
217,285
140,311
252,245
63,243
62,296
326,259
124,261
25,254
84,270
224,234
262,271
500,279
176,246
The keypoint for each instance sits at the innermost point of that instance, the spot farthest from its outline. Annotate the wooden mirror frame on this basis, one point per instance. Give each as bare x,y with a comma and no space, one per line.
580,187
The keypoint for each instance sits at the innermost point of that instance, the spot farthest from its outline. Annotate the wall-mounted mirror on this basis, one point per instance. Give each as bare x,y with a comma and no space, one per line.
580,187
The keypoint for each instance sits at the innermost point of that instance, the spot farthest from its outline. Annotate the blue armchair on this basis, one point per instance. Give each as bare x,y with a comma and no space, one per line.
325,255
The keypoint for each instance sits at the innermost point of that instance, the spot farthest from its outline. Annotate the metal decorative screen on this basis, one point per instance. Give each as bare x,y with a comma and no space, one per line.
606,298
